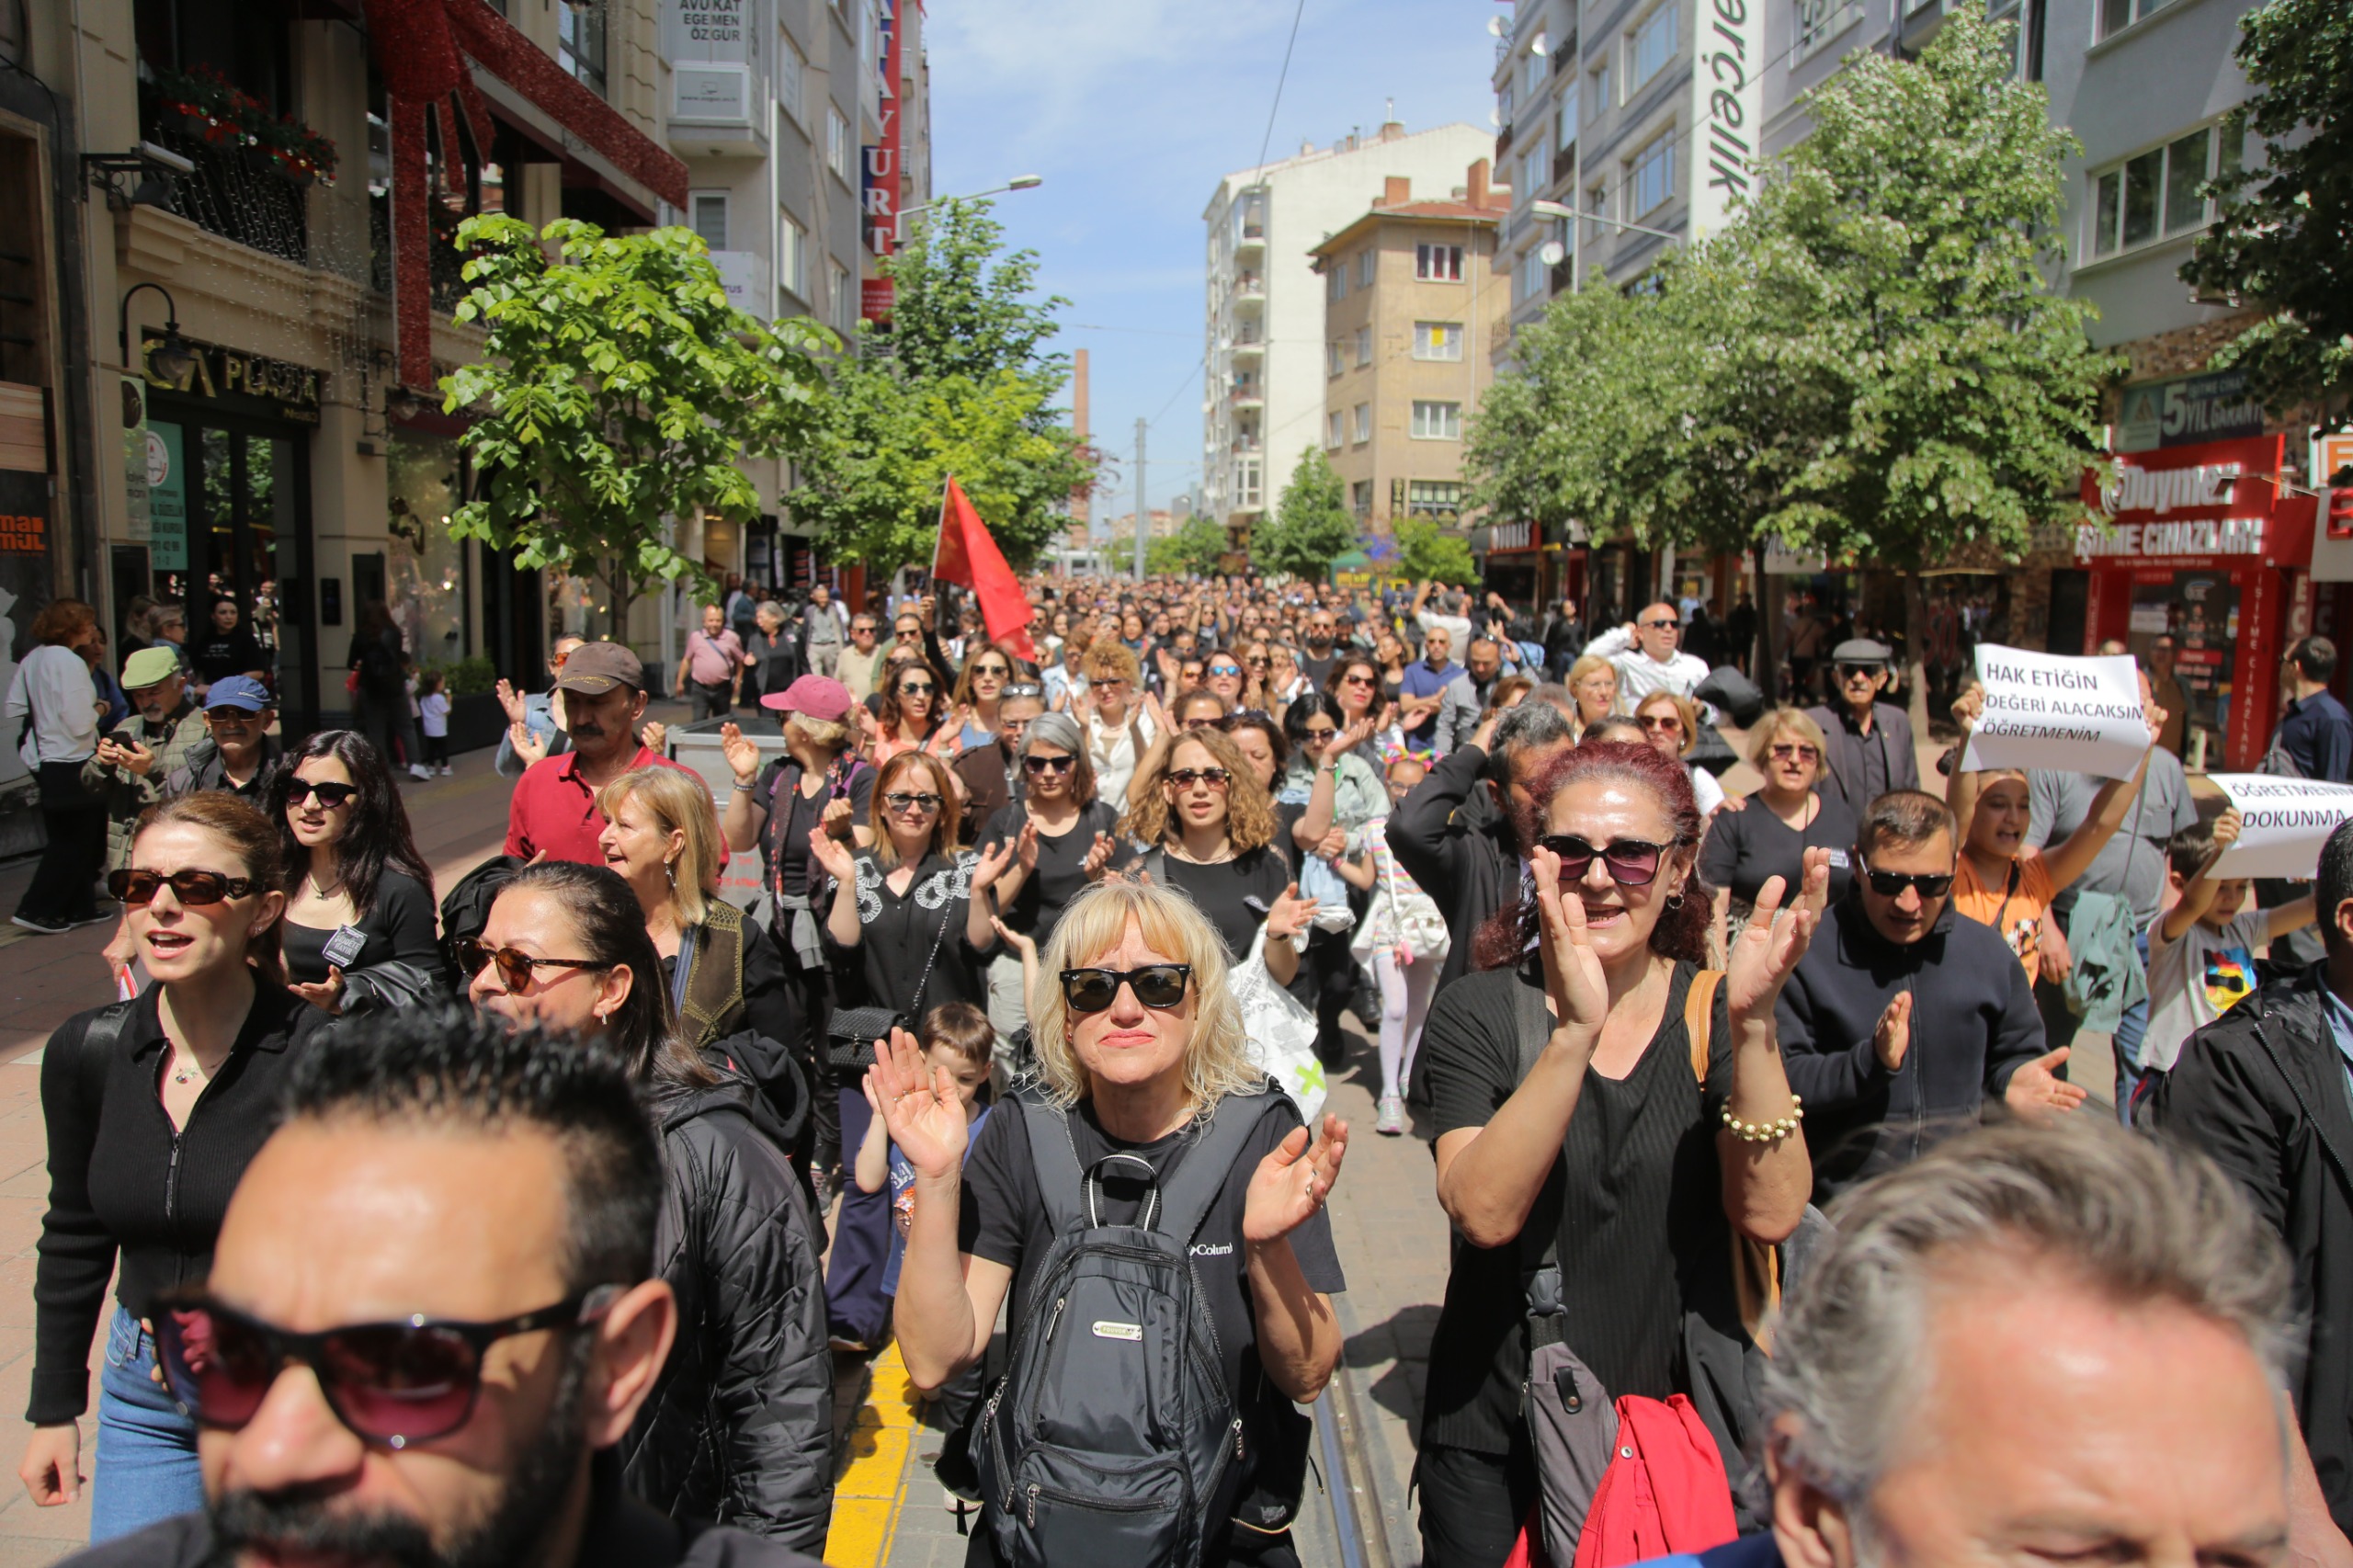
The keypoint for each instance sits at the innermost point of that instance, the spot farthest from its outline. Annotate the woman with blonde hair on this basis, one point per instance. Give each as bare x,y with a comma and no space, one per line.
1671,724
1143,1073
1770,831
1593,681
1209,830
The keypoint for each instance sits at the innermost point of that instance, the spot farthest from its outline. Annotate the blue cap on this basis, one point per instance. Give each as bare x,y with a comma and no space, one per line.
239,691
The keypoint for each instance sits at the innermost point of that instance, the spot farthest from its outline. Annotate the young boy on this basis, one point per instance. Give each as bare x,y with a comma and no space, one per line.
2202,951
957,1035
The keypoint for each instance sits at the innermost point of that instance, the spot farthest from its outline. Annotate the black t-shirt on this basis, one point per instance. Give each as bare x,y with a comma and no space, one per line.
1748,847
1318,671
899,931
791,816
1638,1193
1061,874
1222,891
223,655
1003,1219
401,926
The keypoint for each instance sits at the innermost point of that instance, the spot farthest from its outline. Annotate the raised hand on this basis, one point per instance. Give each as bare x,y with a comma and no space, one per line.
2156,718
1025,947
743,756
2227,828
833,853
1767,952
2036,1093
1573,975
1345,741
511,700
1814,893
1289,914
992,863
1892,1039
1156,715
1098,856
1293,1181
528,749
651,736
920,1107
837,819
1026,845
1967,709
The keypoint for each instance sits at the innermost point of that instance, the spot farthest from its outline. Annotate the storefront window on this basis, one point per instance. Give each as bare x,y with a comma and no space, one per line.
424,568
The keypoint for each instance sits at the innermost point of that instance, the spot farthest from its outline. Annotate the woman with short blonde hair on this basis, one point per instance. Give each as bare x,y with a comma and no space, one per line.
1145,1069
1768,834
1671,724
1593,681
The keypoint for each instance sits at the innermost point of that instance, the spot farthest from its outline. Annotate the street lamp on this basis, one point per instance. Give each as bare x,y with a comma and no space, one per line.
173,356
1562,212
1018,182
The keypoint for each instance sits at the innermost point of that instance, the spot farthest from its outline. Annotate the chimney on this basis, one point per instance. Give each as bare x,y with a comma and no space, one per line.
1479,184
1391,131
1396,190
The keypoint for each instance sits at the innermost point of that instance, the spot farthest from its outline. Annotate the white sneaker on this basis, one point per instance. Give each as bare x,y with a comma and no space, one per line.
418,770
444,770
1392,1117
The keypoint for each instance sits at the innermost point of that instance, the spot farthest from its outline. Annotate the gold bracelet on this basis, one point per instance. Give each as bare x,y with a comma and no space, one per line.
1766,1132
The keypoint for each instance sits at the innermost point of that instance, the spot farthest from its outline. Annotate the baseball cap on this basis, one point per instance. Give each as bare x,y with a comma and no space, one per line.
816,697
150,667
1861,650
234,692
595,668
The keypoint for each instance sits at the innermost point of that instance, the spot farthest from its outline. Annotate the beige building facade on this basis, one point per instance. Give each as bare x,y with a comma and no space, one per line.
1406,318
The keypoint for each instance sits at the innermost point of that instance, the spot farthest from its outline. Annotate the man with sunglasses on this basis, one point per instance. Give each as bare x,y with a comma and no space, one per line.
554,811
429,1320
859,666
536,720
238,751
991,774
1870,742
1904,1020
1646,653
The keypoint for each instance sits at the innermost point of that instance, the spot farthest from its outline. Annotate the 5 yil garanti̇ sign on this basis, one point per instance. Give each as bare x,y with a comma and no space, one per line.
2195,502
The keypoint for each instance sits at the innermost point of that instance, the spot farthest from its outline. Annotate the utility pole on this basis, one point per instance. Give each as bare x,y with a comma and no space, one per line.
1143,514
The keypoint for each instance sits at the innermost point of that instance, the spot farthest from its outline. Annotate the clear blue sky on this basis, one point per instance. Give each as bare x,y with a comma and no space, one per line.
1132,110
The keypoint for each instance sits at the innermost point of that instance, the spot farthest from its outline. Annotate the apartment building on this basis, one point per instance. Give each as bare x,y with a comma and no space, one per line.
1405,309
1263,386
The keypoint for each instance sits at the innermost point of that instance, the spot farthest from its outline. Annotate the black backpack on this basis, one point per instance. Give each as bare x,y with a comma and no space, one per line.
1113,1439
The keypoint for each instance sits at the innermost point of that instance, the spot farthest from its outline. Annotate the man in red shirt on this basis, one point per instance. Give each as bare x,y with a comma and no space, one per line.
553,814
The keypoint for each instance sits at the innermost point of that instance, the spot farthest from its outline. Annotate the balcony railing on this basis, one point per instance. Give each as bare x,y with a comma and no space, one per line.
1249,285
237,193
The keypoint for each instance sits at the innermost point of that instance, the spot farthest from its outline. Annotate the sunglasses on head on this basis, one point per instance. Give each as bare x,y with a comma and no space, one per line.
1185,778
1036,765
394,1383
900,800
330,796
1631,862
1890,884
138,889
515,966
1155,985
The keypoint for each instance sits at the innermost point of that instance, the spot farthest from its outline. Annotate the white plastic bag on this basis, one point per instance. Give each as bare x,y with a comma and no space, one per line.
1281,1033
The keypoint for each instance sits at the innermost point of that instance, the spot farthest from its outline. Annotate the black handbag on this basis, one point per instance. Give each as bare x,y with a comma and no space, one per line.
851,1033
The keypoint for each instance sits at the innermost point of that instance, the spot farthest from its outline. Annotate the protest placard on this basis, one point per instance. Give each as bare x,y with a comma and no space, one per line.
2058,710
2285,821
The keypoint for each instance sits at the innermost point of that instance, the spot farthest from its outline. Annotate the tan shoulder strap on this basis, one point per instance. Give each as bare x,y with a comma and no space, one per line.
1699,1011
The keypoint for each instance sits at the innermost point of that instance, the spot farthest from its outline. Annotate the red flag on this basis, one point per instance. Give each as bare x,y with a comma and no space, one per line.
968,555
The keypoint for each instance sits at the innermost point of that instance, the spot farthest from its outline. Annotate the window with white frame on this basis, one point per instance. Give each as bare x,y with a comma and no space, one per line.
1567,115
1651,45
1332,431
1438,340
792,258
580,45
1336,283
2115,15
1248,483
1333,359
1364,346
1533,167
1533,274
792,73
708,210
1503,102
1650,177
845,300
1437,421
2160,194
1364,423
1367,260
1438,264
836,142
1360,498
1820,21
1596,97
1532,69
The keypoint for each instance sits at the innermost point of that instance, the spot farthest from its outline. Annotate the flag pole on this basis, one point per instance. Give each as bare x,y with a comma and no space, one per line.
938,533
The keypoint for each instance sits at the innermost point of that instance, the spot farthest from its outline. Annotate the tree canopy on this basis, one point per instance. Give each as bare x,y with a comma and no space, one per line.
1312,524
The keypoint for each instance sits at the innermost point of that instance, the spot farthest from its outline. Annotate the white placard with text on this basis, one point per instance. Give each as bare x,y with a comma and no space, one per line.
2286,821
2058,710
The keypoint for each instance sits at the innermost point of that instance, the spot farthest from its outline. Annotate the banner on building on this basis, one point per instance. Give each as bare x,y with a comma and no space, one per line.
2284,822
2186,410
135,460
2058,710
717,70
1727,109
879,178
167,497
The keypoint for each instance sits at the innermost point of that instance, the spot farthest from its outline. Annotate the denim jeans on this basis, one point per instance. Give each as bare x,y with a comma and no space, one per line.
2130,1032
146,1466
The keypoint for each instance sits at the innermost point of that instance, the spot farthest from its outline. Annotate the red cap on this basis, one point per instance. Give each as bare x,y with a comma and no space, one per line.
817,696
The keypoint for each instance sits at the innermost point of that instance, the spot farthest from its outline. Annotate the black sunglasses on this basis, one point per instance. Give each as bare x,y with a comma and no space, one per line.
331,795
900,799
992,669
1632,862
1890,884
1036,765
1185,778
1661,625
1156,986
394,1383
138,889
1848,672
515,966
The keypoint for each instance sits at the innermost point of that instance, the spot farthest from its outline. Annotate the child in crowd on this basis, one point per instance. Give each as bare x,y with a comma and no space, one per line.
433,709
1404,938
2202,951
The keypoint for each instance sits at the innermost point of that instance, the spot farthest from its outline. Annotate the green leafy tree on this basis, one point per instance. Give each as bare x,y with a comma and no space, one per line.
1196,549
1312,523
2281,238
960,385
618,391
1428,554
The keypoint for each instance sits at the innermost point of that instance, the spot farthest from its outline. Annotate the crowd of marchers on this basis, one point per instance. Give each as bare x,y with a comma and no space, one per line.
531,1218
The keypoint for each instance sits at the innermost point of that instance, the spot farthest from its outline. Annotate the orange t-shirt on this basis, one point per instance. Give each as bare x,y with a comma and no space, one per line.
2013,907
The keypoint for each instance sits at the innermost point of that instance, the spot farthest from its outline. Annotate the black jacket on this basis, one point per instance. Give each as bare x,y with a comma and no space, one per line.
739,1428
1890,727
1974,1023
619,1532
1452,841
2262,1091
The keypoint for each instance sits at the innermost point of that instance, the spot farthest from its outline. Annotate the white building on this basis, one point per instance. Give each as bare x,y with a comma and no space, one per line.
1263,384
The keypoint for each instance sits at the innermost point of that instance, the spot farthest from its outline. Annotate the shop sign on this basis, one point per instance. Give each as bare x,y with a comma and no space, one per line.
215,371
879,177
167,497
2191,536
2185,502
134,459
1505,539
24,514
1726,108
714,50
2187,410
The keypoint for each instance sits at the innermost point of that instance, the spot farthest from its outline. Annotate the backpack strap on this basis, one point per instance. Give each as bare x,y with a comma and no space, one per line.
1200,1176
1054,1160
93,1057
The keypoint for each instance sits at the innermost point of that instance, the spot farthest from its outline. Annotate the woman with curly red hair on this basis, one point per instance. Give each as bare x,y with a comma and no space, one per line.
1563,1086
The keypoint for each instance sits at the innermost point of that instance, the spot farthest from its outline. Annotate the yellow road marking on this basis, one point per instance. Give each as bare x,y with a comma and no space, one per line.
873,1489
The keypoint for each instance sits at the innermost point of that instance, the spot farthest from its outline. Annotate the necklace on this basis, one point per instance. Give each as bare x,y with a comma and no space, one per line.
186,1068
329,891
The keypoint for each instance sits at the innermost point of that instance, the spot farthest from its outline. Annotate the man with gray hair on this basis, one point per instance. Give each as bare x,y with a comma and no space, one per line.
2037,1345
